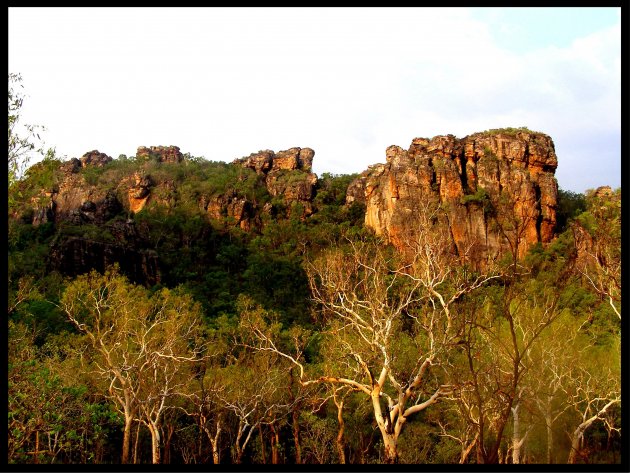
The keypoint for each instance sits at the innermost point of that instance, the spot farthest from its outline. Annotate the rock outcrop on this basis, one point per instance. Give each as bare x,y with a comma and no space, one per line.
95,158
139,191
163,154
497,191
85,204
235,208
287,175
73,199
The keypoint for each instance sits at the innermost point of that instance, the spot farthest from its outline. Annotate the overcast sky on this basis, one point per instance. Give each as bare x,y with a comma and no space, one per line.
348,82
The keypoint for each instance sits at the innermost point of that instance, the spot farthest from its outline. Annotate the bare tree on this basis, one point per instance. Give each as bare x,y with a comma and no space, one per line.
251,395
254,385
550,366
169,343
208,409
598,239
595,390
143,345
339,397
495,344
388,323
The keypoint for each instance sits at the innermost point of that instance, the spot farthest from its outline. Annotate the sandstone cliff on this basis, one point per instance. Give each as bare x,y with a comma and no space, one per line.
497,191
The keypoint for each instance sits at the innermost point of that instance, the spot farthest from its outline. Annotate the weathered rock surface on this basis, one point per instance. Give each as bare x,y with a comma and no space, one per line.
163,154
287,174
95,158
497,190
237,209
139,191
73,199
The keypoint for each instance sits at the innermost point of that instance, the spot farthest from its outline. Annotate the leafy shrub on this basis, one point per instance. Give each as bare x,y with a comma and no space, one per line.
508,131
92,174
570,205
479,197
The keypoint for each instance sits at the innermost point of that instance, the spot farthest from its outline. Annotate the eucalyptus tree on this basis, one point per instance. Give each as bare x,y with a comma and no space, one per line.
597,234
143,345
501,331
388,322
594,391
24,138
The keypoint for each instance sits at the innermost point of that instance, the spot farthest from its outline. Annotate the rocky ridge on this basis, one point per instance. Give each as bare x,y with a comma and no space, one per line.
76,201
496,192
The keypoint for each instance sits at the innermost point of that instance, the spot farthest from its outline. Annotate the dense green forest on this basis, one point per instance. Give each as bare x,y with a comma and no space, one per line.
307,340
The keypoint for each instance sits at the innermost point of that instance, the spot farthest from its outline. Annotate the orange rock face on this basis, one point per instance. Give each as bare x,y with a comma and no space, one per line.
497,192
139,191
287,174
164,154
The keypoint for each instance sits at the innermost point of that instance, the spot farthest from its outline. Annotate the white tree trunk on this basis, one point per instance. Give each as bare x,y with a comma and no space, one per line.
548,423
127,437
578,434
155,443
517,441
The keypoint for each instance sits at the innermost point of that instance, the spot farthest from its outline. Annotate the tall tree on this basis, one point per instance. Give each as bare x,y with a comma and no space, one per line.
143,345
597,234
500,331
24,139
388,322
550,363
594,390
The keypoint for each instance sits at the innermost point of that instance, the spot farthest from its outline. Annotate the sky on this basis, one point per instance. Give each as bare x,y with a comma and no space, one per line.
223,83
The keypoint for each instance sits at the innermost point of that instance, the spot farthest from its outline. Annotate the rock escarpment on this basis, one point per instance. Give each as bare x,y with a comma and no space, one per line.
73,199
497,191
288,179
73,202
74,255
92,204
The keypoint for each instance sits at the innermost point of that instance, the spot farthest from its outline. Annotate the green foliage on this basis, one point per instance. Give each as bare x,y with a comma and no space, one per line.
603,212
488,154
24,139
28,250
92,174
87,231
292,177
508,131
40,178
237,282
480,198
50,414
330,199
279,283
570,205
